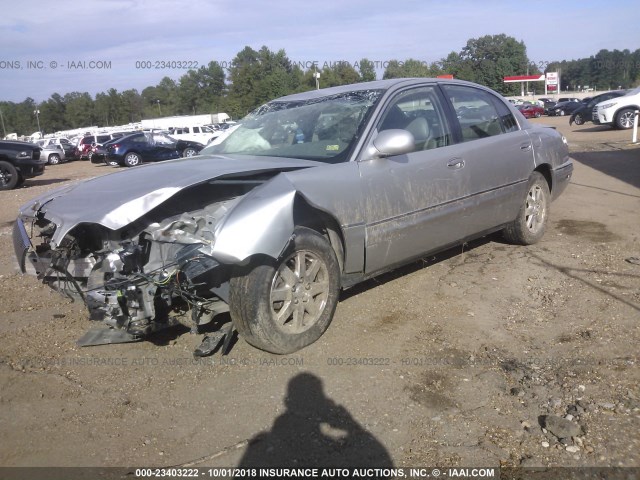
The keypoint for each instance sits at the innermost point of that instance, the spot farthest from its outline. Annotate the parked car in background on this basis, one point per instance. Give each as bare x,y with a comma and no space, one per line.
66,144
202,134
86,146
584,113
141,147
618,112
99,152
530,110
99,148
563,108
547,104
19,161
569,99
309,194
52,152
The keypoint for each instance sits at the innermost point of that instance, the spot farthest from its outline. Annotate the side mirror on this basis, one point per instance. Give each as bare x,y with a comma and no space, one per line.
393,142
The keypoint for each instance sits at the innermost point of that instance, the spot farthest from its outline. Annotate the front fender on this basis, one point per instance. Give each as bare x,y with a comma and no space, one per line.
262,223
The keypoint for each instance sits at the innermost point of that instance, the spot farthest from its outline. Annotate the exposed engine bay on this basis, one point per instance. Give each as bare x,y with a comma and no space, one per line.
143,277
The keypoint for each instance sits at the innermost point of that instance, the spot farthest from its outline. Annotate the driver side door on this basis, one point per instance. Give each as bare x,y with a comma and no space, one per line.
412,200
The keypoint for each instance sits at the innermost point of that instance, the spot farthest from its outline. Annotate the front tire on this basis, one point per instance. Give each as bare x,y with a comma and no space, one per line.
132,159
9,176
285,305
578,120
530,224
189,152
625,118
54,159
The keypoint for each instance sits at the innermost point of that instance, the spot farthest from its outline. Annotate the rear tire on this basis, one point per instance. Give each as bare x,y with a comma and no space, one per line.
54,159
9,176
132,159
578,120
530,224
282,306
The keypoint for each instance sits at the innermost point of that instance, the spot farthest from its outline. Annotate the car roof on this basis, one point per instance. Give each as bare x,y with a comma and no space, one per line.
375,85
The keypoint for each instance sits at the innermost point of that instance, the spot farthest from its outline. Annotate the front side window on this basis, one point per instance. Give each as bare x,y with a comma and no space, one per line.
322,129
476,112
420,112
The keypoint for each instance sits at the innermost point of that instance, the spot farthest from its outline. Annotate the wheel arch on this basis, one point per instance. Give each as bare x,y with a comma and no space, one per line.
545,170
306,215
264,222
626,107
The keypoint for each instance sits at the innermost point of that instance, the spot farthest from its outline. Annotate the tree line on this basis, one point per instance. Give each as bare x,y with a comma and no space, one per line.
257,76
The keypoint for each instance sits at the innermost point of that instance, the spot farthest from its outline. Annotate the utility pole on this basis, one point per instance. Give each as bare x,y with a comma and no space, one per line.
36,112
4,131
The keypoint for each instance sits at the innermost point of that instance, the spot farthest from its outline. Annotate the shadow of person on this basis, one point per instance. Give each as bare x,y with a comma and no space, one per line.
314,432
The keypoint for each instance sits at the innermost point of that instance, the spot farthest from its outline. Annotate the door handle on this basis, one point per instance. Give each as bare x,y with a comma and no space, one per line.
525,147
455,163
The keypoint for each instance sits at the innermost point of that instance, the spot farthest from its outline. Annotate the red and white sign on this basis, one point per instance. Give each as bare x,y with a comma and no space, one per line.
524,78
552,78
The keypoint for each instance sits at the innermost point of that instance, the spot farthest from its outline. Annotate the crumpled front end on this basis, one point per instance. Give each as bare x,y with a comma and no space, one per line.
132,282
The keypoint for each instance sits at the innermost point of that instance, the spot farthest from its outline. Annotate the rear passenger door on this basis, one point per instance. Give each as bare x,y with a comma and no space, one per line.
498,157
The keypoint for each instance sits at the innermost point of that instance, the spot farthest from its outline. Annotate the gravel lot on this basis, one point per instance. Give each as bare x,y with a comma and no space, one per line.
487,355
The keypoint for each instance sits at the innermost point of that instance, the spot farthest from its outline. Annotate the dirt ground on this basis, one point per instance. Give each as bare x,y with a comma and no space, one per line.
465,359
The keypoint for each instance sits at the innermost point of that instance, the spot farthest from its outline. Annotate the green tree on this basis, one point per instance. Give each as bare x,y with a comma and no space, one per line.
493,57
131,106
78,109
411,68
259,76
367,70
52,114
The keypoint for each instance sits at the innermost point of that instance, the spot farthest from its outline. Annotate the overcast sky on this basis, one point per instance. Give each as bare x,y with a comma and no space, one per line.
56,36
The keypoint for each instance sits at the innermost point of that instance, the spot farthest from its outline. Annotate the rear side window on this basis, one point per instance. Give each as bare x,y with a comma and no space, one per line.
507,119
477,113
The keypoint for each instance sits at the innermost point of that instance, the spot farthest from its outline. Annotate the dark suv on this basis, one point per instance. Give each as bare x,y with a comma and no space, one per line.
19,161
583,112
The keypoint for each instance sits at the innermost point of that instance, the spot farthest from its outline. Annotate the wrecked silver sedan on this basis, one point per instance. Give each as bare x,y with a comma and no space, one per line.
311,193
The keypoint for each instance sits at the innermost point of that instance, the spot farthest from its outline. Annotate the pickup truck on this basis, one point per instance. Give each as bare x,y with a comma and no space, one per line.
19,161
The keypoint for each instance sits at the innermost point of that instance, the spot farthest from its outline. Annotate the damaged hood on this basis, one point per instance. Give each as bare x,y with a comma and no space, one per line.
118,199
